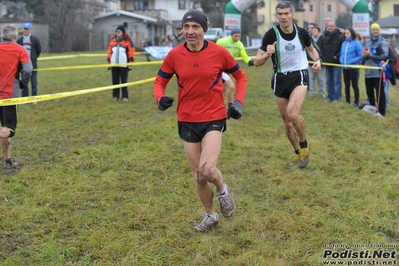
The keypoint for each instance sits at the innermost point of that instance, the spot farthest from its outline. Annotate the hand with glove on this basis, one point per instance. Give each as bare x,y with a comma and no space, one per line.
164,103
129,68
108,68
251,62
235,110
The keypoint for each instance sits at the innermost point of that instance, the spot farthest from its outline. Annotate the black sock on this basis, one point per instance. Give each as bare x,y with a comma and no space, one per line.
303,144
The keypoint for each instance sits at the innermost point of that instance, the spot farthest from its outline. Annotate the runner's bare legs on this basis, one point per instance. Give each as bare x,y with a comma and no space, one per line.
293,121
203,157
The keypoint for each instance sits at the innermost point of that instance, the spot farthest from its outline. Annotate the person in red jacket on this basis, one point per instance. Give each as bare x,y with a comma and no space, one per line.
11,55
120,51
201,113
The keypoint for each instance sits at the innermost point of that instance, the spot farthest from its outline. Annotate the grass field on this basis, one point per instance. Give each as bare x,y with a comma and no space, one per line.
107,183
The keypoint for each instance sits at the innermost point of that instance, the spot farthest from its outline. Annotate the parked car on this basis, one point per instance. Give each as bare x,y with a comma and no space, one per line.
214,34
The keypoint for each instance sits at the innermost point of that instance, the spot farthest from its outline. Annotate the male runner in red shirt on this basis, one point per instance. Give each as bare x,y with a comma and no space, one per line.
11,54
201,113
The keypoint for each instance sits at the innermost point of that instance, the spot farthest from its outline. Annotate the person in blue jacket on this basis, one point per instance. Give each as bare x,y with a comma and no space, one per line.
351,54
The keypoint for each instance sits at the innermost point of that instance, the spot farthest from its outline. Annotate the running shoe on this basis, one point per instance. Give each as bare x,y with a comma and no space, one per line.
295,160
208,223
303,157
9,164
227,205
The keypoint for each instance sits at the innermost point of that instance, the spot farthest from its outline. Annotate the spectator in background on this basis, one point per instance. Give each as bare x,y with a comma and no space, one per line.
178,37
351,54
375,50
330,47
147,42
392,56
326,20
311,25
34,48
233,44
11,55
315,76
120,51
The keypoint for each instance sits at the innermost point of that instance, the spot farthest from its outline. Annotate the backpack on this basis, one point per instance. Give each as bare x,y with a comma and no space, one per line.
397,67
394,64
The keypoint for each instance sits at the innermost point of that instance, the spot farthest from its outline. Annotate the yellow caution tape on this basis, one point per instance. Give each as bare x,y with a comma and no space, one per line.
350,66
331,64
46,97
79,55
101,65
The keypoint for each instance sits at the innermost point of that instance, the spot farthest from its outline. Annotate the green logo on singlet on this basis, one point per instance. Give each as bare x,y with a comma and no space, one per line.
290,47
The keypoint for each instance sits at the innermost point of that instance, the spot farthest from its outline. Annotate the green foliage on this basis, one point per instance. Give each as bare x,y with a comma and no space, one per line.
15,11
36,7
107,183
65,17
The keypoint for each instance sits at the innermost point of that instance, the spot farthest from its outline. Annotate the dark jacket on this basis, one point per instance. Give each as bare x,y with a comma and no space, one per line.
315,42
35,49
330,46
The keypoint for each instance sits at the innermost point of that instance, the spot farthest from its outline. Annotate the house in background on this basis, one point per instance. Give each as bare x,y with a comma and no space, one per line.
384,8
317,10
153,19
269,18
137,26
388,13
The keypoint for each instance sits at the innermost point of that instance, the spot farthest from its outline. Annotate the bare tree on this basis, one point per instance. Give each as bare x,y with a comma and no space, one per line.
68,22
62,19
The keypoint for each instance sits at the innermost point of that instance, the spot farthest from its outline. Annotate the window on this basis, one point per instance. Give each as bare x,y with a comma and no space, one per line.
311,8
182,4
140,5
396,10
328,8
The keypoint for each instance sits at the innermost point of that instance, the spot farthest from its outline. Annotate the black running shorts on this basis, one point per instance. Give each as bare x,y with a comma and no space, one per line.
195,132
284,83
8,117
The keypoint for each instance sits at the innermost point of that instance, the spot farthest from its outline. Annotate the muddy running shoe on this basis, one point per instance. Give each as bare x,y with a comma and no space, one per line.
295,160
208,223
227,205
303,157
9,164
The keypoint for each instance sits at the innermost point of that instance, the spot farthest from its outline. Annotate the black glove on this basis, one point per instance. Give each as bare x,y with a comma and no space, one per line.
164,103
251,62
21,84
108,68
235,110
129,68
